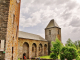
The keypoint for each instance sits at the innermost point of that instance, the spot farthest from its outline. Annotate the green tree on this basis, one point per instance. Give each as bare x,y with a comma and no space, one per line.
56,46
54,56
77,44
69,43
69,53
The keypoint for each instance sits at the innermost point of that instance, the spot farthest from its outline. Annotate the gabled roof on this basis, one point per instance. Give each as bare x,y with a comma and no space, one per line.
30,36
52,23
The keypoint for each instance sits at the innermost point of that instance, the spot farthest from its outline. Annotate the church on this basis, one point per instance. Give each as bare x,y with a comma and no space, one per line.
15,44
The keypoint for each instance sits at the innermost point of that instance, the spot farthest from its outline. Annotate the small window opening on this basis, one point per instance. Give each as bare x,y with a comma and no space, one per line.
13,18
16,31
49,32
12,49
12,57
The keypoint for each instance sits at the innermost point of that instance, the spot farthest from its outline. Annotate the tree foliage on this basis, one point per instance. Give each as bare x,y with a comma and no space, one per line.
68,52
69,43
53,55
56,46
77,44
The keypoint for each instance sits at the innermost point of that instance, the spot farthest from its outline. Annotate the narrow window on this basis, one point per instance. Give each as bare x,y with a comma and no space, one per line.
16,31
49,32
13,18
12,57
12,50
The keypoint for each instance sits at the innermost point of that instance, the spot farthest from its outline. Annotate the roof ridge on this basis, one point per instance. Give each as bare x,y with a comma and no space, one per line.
28,32
52,23
30,36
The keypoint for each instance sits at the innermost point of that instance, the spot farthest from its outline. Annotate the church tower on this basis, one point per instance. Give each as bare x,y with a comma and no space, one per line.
51,32
9,26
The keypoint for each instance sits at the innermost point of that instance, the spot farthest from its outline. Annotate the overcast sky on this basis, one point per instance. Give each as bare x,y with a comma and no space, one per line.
36,14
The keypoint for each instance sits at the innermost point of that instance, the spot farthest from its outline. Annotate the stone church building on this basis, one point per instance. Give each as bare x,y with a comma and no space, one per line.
31,45
15,44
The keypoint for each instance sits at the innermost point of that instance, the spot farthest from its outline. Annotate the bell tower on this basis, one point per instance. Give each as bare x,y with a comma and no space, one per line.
9,26
51,32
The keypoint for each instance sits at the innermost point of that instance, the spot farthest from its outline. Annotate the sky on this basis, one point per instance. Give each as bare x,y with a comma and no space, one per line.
36,14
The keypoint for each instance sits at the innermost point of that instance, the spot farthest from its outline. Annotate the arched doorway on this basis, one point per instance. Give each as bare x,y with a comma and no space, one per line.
45,49
40,49
26,50
24,54
34,50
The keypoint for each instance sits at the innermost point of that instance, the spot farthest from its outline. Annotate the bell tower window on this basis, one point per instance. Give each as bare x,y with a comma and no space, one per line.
49,32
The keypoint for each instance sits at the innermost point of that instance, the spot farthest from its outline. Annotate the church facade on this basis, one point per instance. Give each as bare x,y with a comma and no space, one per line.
15,44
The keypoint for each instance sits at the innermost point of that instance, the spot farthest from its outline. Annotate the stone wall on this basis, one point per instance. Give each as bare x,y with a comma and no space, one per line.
11,52
55,32
4,10
32,43
2,55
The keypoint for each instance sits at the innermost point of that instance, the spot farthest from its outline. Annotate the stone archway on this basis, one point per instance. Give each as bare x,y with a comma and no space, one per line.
26,50
40,49
45,49
34,50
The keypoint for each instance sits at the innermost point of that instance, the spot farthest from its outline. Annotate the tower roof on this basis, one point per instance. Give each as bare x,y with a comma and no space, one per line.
52,23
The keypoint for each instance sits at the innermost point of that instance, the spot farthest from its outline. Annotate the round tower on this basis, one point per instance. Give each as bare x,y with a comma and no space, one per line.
51,32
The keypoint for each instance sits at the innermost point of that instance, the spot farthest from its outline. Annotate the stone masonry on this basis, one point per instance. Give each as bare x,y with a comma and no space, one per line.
9,25
29,45
51,32
32,44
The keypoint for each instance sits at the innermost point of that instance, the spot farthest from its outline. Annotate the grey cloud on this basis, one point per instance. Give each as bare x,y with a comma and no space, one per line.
71,5
75,22
35,12
66,16
75,30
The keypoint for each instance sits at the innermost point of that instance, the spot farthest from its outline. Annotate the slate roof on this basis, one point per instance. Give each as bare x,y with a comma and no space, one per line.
52,23
30,36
